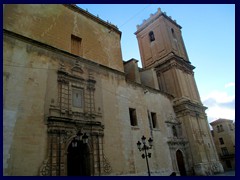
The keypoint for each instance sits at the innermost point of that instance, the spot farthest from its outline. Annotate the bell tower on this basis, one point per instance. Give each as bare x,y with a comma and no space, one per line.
159,36
162,49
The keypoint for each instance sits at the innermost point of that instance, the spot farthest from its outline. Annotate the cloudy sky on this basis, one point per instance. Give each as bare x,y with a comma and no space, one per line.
209,36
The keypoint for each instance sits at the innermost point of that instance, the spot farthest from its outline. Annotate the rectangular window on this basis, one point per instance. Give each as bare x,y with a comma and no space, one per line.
133,116
224,151
221,141
76,45
228,164
77,98
154,119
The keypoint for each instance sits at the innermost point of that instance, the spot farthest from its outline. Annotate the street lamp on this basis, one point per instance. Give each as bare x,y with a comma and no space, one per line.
145,148
78,138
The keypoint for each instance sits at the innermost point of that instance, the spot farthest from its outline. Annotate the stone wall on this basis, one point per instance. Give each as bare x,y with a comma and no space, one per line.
54,24
25,87
31,76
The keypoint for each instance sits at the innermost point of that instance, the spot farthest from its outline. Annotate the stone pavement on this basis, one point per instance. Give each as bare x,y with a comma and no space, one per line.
226,173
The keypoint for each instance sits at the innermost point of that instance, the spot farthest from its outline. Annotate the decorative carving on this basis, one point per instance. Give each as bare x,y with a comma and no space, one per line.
45,168
62,67
173,141
106,165
217,167
77,69
199,136
64,121
172,120
66,82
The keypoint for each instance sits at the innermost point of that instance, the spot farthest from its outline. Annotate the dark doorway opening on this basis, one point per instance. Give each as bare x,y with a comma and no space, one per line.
228,164
78,159
180,162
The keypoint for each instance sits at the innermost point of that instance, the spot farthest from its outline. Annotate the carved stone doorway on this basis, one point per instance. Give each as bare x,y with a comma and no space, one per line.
180,162
78,159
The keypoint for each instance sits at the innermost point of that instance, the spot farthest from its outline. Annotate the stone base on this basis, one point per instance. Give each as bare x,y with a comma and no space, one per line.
208,169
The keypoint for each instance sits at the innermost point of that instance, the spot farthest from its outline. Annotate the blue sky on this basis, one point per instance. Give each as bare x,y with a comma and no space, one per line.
209,36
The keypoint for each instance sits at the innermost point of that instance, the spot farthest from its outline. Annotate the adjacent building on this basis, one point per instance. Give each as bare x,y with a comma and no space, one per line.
65,82
224,138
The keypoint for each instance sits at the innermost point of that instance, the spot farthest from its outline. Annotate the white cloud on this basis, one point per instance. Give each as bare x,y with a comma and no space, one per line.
219,97
220,105
231,84
216,112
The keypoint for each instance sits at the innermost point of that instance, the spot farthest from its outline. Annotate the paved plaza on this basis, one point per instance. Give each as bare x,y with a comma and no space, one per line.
226,173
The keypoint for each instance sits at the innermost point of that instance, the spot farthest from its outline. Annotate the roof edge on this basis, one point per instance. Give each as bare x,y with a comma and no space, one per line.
93,17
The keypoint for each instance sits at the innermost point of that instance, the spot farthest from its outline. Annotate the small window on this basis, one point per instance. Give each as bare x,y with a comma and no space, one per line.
76,45
221,141
154,119
133,117
224,151
77,98
151,36
174,131
173,34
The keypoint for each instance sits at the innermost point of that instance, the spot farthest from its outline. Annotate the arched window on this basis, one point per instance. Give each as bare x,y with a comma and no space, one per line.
151,36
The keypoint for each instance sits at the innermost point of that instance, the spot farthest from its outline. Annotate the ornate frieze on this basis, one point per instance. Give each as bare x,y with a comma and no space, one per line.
176,142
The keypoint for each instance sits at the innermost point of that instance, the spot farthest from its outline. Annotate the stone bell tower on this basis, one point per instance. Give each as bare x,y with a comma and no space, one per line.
162,49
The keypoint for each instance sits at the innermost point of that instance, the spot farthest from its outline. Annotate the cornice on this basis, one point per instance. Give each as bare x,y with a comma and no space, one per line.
95,18
187,106
174,61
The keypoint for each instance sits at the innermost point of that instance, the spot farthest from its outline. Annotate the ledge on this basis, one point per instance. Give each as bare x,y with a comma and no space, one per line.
135,127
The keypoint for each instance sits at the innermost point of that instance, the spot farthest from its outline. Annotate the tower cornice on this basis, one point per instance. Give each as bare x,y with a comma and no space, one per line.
174,61
152,18
184,105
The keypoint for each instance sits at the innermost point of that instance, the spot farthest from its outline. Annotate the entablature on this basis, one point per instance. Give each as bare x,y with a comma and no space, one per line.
174,61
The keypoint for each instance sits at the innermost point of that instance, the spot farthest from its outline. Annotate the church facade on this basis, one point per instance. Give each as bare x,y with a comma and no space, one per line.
73,107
